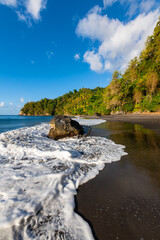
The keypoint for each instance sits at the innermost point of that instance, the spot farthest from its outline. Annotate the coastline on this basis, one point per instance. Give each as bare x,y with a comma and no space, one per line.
119,202
147,120
150,121
59,165
109,185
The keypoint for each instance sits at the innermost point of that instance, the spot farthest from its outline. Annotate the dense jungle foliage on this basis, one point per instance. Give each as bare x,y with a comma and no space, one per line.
85,101
137,90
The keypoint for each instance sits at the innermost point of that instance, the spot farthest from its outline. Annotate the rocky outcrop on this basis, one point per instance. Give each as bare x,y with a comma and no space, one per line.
21,114
117,113
64,126
97,114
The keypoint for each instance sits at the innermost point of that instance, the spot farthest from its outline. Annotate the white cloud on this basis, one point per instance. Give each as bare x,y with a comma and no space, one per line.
12,3
22,100
34,7
94,59
119,42
134,7
26,10
108,66
2,104
77,56
109,2
147,5
11,103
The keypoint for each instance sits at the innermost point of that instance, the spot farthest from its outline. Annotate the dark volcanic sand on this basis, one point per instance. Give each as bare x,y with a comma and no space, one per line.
123,201
150,120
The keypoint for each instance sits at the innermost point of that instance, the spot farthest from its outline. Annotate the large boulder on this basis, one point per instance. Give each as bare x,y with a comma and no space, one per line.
63,126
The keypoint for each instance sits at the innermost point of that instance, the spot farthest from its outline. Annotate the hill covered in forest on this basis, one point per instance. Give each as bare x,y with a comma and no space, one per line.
85,101
137,90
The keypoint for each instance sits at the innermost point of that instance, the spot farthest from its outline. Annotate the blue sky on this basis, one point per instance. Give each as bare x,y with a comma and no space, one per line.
49,47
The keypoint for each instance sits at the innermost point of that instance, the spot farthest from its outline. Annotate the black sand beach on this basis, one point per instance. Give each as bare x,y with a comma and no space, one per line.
123,201
147,120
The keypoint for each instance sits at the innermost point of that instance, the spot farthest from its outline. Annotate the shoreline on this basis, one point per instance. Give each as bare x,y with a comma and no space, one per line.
118,202
47,165
147,120
113,172
150,121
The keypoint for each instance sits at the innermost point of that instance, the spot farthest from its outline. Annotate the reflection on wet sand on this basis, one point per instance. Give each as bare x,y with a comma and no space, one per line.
123,201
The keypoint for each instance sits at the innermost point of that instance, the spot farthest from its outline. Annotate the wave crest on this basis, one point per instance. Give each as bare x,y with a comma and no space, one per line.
39,178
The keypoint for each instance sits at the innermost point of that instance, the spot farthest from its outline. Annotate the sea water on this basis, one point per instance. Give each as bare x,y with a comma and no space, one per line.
11,122
39,178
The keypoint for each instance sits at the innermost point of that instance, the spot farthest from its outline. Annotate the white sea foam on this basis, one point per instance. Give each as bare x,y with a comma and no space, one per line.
39,178
89,122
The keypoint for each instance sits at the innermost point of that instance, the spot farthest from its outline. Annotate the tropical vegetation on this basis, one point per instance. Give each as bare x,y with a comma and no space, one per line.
136,90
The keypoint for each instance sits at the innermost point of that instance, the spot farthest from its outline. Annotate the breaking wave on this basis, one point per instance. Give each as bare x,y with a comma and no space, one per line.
39,178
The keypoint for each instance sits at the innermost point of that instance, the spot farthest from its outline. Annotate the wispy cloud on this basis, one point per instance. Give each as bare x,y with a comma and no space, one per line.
134,7
12,3
22,100
2,104
147,5
49,54
77,56
108,3
11,103
26,10
119,42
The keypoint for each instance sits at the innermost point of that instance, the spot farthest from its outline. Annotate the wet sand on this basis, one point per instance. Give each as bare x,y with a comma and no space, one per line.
123,201
150,120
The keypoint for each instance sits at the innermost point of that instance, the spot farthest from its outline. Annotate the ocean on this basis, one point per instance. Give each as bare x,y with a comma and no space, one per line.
11,122
40,178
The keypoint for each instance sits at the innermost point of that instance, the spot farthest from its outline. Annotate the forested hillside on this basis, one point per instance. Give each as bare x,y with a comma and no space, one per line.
138,89
85,101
